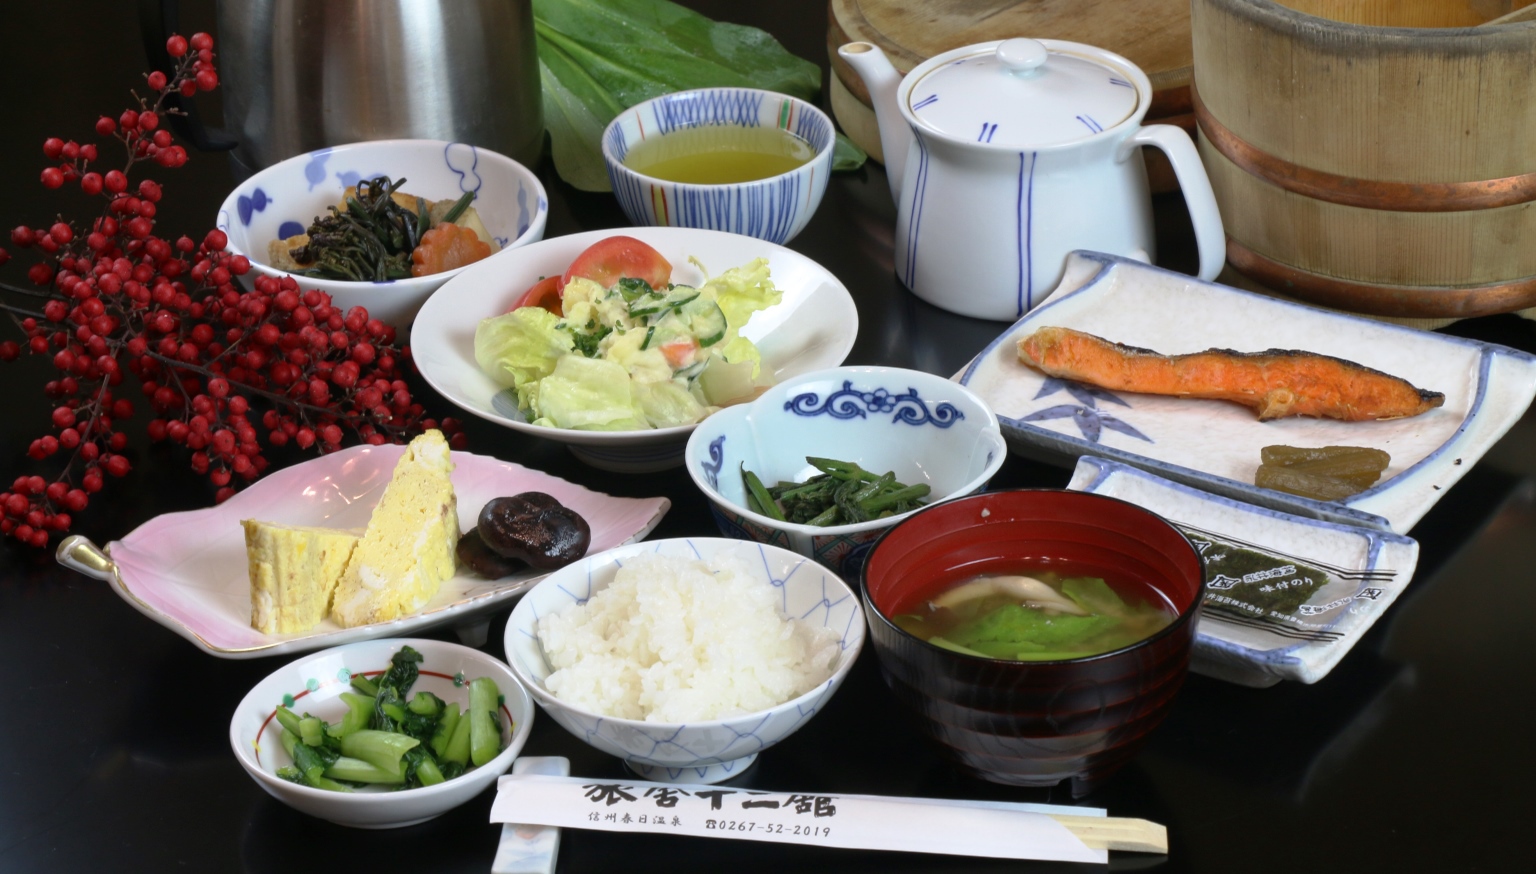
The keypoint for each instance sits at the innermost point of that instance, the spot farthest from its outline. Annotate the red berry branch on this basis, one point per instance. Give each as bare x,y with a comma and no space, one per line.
212,358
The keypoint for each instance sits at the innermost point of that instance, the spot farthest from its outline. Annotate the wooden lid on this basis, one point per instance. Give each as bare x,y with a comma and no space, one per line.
1153,34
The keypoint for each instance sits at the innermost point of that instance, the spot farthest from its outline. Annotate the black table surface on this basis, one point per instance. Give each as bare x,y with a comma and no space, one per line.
1413,754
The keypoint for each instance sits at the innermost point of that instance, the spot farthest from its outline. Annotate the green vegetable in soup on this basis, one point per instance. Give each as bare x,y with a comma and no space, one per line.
1043,617
389,737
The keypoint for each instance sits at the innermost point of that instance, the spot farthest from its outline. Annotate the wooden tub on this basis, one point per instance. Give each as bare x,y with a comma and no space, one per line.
1377,156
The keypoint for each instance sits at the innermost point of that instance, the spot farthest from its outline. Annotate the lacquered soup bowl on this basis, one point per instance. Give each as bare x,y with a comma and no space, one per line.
1034,723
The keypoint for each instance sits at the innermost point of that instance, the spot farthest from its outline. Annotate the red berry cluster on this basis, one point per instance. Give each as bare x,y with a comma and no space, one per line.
212,358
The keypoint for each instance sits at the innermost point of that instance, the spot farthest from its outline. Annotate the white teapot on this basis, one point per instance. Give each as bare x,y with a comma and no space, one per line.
1004,156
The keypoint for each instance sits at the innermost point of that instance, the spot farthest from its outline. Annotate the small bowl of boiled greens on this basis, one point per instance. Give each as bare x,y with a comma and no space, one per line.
826,462
382,733
382,224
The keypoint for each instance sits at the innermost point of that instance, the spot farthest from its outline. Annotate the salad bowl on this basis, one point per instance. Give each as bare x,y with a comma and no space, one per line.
811,328
282,200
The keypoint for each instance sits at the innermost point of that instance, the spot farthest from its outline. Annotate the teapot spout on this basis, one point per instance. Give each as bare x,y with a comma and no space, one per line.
881,79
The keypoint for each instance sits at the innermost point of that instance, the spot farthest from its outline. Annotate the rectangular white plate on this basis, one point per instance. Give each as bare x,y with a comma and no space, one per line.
1365,571
187,571
1215,445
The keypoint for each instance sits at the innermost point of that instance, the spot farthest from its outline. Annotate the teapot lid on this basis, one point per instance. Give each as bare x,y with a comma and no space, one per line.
1022,94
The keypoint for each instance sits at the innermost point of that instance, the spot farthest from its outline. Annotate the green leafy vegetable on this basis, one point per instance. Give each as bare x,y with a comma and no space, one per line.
599,57
842,494
371,239
387,738
988,617
846,155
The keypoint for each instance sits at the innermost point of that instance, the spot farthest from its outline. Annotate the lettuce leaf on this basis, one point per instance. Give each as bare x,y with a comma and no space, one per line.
587,394
667,404
742,291
599,57
521,346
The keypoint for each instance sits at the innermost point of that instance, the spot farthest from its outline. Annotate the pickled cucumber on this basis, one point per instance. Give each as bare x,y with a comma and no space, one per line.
1326,473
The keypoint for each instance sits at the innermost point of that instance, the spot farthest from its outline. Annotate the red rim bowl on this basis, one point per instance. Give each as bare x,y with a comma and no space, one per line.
1034,723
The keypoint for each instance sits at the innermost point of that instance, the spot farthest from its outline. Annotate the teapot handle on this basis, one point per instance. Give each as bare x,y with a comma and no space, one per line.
1210,237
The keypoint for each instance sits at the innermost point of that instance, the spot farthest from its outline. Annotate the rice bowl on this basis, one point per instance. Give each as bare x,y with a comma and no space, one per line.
699,750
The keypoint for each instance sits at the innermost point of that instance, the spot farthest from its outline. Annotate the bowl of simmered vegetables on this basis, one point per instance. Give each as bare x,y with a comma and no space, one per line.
1038,635
825,462
382,733
382,224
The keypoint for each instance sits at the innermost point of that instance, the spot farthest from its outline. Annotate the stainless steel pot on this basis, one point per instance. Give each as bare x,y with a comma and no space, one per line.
299,75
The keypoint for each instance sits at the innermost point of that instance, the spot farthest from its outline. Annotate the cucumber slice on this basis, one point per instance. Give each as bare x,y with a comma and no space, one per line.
708,326
680,296
705,321
646,305
651,305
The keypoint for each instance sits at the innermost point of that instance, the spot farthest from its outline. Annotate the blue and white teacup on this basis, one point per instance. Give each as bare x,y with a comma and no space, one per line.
774,208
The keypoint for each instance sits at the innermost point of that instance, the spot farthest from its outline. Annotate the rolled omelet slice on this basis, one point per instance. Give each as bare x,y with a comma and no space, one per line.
293,570
408,550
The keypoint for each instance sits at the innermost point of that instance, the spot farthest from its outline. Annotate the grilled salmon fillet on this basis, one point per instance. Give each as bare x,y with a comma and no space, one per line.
1275,382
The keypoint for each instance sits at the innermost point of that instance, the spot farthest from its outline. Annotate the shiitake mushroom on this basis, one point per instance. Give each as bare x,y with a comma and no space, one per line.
535,528
475,555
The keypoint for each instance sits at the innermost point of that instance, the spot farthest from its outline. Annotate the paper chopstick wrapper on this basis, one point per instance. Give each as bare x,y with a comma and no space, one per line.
966,828
524,848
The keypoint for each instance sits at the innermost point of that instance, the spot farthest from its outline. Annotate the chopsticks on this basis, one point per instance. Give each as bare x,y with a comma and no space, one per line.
1116,833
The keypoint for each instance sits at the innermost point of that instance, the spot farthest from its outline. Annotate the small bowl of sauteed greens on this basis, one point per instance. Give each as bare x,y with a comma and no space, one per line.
382,224
826,462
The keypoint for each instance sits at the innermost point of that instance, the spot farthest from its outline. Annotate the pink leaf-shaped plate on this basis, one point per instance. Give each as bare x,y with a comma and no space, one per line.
187,571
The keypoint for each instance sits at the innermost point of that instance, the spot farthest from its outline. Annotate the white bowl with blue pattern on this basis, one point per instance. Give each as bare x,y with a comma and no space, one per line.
284,199
775,208
699,752
924,428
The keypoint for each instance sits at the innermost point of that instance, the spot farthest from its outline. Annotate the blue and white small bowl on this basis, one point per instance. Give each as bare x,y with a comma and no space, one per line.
925,428
284,199
697,752
773,209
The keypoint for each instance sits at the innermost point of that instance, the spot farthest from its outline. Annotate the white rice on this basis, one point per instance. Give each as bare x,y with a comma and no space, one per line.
678,640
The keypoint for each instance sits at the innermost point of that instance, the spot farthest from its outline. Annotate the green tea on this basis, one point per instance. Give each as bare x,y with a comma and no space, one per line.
716,154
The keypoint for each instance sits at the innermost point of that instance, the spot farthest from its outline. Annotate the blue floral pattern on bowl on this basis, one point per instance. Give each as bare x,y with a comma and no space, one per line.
848,403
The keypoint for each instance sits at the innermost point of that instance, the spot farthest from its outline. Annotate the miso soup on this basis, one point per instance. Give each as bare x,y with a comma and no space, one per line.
1039,613
719,154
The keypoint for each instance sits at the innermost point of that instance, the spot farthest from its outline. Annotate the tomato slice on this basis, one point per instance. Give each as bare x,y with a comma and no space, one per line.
545,293
680,352
613,258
